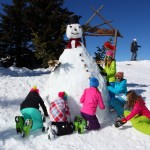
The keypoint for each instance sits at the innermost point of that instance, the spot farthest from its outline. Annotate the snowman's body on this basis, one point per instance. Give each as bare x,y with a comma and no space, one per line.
74,33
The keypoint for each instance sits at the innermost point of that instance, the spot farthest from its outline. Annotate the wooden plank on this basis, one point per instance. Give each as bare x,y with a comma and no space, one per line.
93,15
103,19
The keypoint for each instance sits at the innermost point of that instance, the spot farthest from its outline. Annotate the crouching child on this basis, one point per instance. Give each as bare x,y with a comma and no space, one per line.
60,117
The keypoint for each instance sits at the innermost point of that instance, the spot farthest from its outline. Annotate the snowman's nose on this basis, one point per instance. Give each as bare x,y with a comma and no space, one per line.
75,29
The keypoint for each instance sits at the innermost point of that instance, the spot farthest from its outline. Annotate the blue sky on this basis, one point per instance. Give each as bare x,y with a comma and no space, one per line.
130,17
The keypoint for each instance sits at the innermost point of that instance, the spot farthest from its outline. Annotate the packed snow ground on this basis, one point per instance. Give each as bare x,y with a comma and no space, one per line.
14,86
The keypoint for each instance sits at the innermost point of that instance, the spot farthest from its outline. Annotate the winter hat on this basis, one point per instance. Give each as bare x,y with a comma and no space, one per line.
34,88
94,82
119,75
109,53
63,95
74,19
134,39
108,45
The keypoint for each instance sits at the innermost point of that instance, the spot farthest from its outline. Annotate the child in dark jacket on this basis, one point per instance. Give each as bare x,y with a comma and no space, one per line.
90,99
31,118
139,114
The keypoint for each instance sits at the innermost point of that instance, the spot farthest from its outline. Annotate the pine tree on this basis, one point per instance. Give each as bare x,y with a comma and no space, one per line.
30,27
15,35
46,19
100,54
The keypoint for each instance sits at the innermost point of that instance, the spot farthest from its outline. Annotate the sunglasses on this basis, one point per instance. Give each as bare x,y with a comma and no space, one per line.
117,78
109,57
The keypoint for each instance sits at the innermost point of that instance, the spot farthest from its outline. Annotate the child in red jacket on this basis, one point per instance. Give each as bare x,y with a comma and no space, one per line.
139,115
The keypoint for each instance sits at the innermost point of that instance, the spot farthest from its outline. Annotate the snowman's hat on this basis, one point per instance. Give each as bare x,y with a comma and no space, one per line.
74,19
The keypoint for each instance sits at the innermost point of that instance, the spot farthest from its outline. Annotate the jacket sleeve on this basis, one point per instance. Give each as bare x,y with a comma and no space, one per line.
134,112
100,101
43,107
82,99
118,89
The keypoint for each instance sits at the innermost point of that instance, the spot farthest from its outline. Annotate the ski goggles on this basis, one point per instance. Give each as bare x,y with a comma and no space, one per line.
109,57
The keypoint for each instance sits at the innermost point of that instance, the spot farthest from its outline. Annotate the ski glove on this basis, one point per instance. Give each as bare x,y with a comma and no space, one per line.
120,122
103,73
108,83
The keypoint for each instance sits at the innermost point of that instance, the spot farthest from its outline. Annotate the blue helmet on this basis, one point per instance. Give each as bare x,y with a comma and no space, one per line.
94,82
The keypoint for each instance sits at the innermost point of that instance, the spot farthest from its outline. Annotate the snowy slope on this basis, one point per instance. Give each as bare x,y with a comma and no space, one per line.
16,83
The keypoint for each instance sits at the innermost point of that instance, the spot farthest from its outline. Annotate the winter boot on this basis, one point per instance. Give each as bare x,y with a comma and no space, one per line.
46,121
76,123
52,132
82,125
19,123
27,127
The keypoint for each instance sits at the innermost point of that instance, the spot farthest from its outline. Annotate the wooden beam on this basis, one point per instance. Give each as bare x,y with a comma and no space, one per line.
104,19
93,15
102,23
86,34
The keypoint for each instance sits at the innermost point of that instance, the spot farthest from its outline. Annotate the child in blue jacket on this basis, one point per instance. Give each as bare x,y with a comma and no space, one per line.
119,89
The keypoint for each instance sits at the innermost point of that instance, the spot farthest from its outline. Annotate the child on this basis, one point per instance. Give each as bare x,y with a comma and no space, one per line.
90,99
109,70
31,118
60,116
139,115
120,90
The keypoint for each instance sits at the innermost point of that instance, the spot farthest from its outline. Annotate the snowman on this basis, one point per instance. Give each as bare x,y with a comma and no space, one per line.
72,74
74,32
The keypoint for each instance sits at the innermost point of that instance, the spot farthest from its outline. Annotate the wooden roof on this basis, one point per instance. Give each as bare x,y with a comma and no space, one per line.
101,32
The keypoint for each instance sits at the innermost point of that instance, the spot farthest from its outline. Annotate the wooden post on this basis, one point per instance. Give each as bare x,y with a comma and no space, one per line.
84,40
115,41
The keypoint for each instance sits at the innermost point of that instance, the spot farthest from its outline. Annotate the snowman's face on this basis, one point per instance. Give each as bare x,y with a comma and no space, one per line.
74,31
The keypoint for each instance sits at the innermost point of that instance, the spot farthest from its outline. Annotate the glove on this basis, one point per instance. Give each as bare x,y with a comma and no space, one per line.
108,83
101,68
120,122
103,73
46,115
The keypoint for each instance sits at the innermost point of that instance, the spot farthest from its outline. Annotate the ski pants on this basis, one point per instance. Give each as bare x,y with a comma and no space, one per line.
93,121
64,128
35,115
118,105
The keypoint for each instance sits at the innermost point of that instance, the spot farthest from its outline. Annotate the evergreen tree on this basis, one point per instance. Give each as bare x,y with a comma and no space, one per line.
30,27
46,19
100,54
15,36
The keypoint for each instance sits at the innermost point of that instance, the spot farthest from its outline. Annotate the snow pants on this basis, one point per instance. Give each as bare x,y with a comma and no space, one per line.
35,115
140,123
118,105
64,128
93,121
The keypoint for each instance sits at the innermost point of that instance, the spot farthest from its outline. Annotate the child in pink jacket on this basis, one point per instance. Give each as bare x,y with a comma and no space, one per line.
92,98
139,115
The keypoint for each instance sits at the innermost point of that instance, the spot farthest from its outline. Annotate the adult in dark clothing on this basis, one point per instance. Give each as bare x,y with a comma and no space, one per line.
134,49
30,108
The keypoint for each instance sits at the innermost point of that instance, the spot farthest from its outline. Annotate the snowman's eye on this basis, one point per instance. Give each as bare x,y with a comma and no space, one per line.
70,26
79,26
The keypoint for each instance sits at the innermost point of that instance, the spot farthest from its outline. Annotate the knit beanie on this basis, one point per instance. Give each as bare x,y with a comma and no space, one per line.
109,53
94,82
35,89
109,46
119,75
63,95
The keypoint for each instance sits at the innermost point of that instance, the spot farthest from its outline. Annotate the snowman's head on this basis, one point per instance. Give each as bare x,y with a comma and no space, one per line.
74,31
